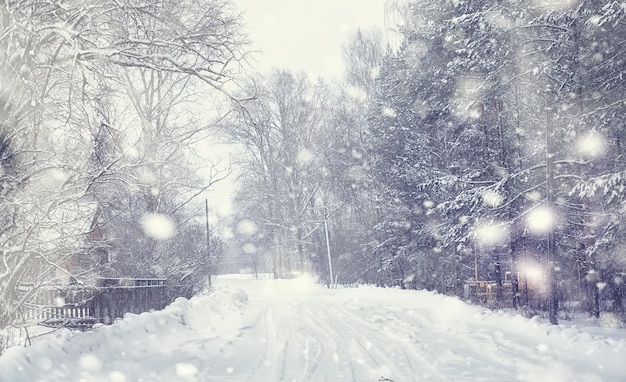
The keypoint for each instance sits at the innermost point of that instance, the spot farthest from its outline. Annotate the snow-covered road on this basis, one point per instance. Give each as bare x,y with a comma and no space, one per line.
296,330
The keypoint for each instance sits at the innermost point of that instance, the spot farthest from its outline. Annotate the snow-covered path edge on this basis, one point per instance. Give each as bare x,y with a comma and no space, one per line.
296,330
122,352
550,352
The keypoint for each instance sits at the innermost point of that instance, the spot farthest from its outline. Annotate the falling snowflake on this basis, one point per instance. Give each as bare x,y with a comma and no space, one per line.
492,198
389,112
249,248
186,370
492,234
554,5
90,362
305,157
247,227
467,93
540,220
591,145
158,226
117,376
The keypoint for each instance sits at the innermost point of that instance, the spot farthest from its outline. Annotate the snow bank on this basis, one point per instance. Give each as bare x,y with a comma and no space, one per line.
100,355
496,330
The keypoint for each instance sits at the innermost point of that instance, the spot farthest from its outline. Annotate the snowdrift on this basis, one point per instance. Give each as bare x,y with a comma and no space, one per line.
598,357
183,341
103,354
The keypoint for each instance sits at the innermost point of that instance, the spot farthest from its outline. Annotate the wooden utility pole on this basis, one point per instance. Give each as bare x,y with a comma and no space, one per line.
330,262
208,240
553,302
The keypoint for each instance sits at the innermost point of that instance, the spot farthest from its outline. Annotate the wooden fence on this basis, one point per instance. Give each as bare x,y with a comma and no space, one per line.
120,296
82,307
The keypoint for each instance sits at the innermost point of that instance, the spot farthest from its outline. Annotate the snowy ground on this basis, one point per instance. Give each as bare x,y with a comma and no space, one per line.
295,330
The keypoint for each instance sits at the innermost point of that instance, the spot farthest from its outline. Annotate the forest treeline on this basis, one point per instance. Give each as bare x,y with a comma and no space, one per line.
480,140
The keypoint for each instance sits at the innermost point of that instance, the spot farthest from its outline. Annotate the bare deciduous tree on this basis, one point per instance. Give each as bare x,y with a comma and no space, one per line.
62,122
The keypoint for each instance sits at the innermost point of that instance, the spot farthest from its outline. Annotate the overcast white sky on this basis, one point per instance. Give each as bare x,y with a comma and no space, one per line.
306,35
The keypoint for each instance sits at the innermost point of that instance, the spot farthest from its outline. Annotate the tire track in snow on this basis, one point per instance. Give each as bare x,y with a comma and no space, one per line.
260,371
311,363
329,345
326,336
418,363
288,345
429,338
375,356
274,351
470,348
314,340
